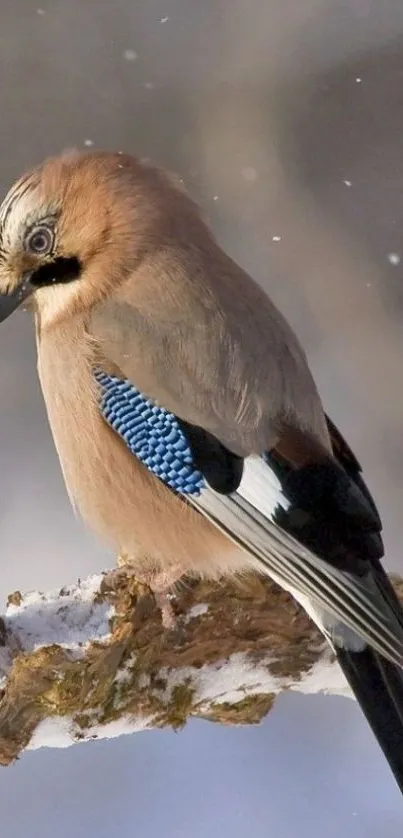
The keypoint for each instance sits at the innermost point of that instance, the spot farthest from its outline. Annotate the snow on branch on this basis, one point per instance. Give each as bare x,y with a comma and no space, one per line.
93,660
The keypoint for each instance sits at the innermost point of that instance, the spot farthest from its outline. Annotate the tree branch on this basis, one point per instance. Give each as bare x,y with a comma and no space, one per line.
93,660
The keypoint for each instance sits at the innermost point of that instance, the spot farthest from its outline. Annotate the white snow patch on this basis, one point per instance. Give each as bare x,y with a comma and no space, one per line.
347,183
164,19
235,679
88,143
276,238
61,732
119,727
52,733
227,681
394,258
358,80
324,677
196,611
69,618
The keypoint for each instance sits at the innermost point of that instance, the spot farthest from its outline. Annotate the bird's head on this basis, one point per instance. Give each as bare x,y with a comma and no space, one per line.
71,231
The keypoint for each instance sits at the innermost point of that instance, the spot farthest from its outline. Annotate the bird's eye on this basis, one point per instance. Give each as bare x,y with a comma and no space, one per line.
40,241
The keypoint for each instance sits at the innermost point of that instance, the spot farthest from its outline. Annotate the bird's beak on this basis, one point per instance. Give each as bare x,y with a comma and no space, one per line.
9,302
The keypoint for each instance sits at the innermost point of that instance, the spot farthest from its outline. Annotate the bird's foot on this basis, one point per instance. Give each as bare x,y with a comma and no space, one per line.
160,584
167,613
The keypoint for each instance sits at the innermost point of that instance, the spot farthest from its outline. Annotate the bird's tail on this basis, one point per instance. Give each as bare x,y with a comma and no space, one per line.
377,686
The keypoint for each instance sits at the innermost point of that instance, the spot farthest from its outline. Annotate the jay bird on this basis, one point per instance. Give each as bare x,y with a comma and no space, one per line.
188,426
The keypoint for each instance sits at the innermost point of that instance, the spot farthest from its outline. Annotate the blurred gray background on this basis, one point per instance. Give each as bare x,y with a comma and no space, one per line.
285,118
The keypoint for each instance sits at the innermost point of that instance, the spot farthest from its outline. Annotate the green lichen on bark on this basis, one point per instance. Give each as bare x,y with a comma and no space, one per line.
250,710
145,672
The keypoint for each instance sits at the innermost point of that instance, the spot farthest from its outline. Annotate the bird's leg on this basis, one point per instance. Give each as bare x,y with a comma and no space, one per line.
167,612
159,582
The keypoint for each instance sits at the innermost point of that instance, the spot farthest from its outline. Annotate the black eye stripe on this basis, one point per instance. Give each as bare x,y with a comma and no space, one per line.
63,269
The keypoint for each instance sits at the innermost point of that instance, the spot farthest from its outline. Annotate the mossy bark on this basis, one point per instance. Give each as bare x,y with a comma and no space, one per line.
161,678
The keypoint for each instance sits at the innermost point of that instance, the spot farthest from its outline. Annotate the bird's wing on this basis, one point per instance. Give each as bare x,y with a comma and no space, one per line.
278,515
221,356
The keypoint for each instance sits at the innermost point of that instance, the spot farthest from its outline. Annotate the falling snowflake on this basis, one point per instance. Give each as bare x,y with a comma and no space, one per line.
130,55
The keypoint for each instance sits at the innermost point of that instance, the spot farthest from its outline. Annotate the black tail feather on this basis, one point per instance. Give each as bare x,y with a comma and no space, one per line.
378,687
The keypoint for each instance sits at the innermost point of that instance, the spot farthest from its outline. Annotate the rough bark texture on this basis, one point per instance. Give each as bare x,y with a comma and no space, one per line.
95,659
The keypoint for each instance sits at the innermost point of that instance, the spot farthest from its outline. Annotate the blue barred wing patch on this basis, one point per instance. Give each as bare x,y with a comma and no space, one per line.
151,433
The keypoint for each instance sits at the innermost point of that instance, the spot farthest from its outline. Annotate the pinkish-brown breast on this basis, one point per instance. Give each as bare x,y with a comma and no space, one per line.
125,504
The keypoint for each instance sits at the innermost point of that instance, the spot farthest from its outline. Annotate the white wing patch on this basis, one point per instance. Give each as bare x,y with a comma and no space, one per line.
261,487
